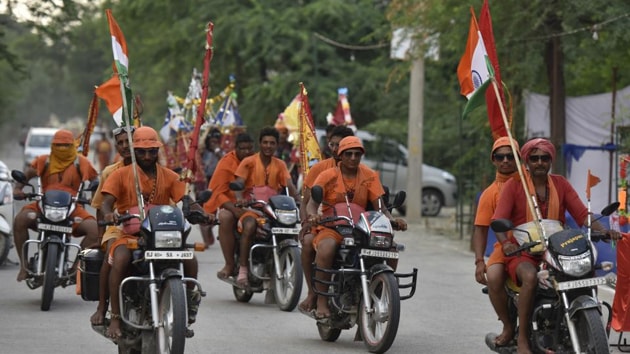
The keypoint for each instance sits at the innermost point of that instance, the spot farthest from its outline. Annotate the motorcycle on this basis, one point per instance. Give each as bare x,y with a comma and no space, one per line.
364,289
274,257
154,298
566,316
6,212
52,263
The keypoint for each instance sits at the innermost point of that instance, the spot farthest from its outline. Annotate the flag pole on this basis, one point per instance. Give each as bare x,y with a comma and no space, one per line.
531,199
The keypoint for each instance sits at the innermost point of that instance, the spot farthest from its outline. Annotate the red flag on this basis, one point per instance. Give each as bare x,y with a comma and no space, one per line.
84,138
621,301
492,102
309,147
591,181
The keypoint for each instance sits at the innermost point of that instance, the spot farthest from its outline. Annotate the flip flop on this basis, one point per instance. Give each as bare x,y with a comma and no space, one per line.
222,275
503,348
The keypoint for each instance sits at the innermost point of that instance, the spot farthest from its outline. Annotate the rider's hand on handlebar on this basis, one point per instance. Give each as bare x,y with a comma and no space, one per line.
18,194
110,218
508,247
399,224
314,219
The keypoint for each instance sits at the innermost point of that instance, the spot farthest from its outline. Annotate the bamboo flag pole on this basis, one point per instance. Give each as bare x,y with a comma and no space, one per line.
531,199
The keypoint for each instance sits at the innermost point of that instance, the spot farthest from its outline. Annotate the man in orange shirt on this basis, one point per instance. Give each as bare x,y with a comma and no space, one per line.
223,199
159,186
111,233
64,169
259,170
351,182
308,252
493,273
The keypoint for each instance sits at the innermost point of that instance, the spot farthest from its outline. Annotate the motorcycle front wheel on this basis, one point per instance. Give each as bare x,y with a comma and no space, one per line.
378,319
5,246
171,335
289,288
50,275
591,333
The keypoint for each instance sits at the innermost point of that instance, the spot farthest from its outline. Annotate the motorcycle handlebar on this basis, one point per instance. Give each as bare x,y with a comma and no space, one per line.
523,247
121,219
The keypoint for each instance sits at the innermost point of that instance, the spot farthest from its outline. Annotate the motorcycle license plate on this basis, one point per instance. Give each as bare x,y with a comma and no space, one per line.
582,283
168,255
379,253
285,230
56,228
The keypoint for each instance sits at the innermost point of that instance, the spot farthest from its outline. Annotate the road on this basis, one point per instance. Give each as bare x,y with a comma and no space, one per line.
448,313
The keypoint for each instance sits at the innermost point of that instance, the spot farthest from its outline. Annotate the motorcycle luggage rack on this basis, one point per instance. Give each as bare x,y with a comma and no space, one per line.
622,347
411,285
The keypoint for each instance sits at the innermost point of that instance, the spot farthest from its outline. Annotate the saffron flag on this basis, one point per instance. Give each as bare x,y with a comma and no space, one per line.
109,92
121,67
474,70
342,114
621,301
309,147
492,101
591,181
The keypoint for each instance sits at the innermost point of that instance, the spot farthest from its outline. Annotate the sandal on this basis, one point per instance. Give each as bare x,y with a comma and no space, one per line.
242,280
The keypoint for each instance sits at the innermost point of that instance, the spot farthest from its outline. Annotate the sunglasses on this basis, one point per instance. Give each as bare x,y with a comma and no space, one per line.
123,129
351,154
539,158
144,152
501,157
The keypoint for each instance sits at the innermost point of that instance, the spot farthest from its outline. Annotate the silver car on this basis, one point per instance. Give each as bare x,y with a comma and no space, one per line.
439,187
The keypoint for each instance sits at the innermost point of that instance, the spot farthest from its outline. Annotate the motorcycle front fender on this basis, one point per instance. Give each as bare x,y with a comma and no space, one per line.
288,243
52,239
380,268
583,302
4,226
171,273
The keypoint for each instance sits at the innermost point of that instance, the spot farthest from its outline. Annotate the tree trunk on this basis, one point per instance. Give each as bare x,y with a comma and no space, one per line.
554,59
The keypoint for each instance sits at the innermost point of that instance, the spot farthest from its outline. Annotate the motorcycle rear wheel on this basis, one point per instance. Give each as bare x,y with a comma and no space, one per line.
171,335
5,246
379,328
591,332
50,275
288,289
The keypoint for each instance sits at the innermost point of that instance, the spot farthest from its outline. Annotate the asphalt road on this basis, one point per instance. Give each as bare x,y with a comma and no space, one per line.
448,313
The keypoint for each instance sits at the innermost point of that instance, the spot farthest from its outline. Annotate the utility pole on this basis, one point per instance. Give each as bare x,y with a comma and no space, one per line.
414,139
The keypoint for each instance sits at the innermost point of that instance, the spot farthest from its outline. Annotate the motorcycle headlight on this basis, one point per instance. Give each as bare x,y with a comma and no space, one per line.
55,214
380,240
576,266
168,239
286,217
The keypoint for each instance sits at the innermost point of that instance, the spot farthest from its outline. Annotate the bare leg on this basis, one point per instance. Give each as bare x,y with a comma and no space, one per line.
122,257
103,290
249,228
226,239
23,220
308,257
496,277
324,258
89,229
526,272
206,234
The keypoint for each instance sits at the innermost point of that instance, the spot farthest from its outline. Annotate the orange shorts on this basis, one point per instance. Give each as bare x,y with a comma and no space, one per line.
324,233
511,263
121,241
248,213
79,212
497,256
112,232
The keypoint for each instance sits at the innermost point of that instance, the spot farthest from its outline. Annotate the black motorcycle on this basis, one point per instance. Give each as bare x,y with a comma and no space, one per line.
154,299
567,315
52,262
364,288
274,257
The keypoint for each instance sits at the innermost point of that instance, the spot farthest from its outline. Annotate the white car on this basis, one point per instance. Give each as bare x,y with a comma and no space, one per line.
439,187
37,143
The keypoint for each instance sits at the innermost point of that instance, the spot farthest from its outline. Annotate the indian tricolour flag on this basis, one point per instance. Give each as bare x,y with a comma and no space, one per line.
474,70
117,105
109,92
119,45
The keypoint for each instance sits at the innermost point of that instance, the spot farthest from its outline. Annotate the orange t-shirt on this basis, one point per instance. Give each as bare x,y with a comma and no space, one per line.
220,183
252,170
366,186
69,180
317,169
490,198
120,185
97,199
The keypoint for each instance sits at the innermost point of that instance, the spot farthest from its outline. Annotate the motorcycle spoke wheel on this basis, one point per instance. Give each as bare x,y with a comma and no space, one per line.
288,289
379,325
591,333
5,245
50,276
171,333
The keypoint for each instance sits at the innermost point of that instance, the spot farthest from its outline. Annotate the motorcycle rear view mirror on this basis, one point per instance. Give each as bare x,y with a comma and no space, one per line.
317,194
237,186
399,199
609,209
93,186
501,225
203,196
19,176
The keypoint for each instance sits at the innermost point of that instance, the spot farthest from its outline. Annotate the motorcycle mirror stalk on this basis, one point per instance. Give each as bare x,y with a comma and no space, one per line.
608,210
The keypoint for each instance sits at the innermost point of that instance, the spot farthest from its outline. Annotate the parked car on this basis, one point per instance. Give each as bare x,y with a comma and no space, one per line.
439,187
37,143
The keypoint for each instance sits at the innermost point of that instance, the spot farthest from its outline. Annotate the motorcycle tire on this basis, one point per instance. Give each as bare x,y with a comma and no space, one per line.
288,289
379,327
5,246
171,336
50,275
591,332
328,333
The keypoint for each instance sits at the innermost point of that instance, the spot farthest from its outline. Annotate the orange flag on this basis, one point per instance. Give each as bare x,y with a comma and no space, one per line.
309,147
591,181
